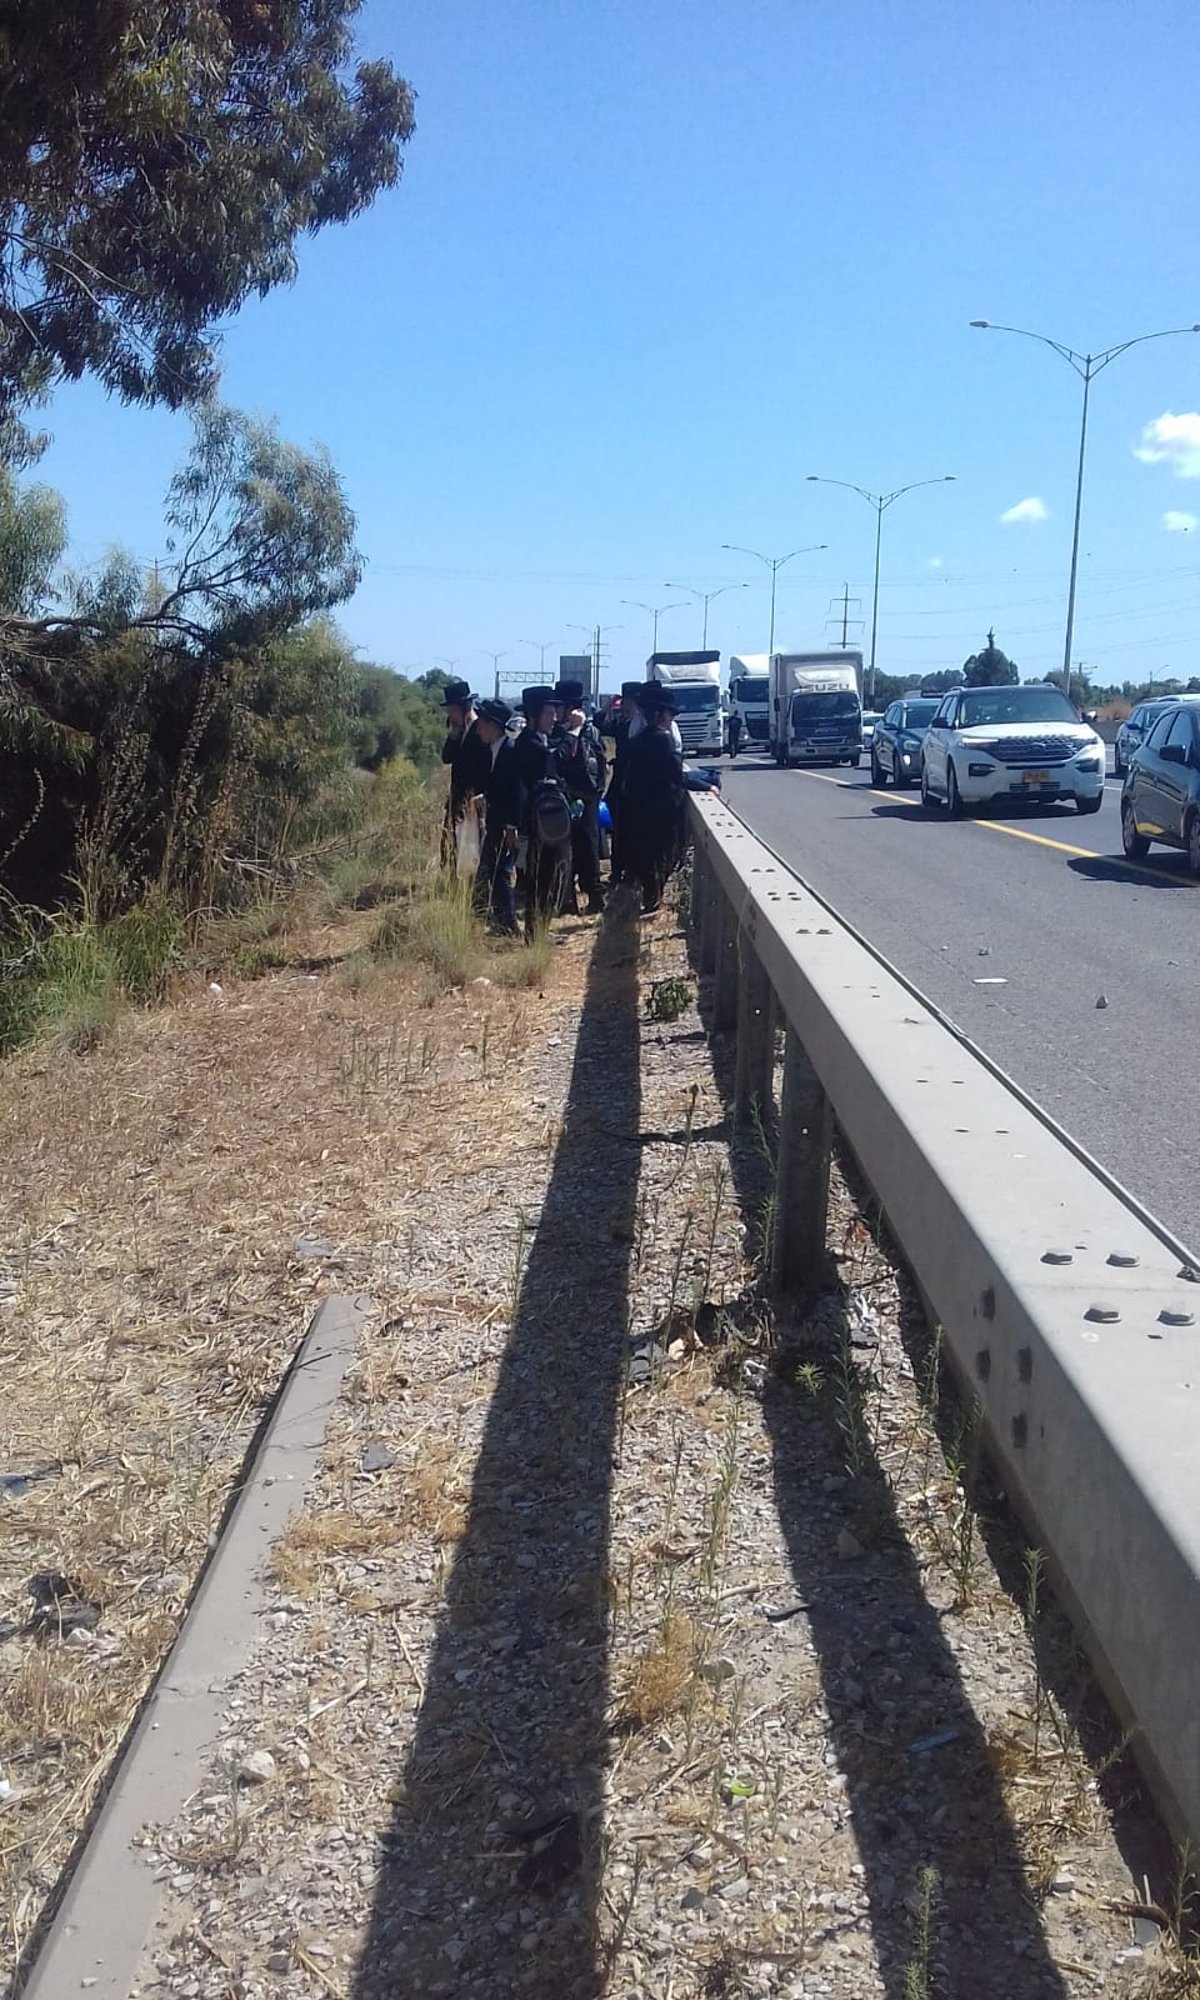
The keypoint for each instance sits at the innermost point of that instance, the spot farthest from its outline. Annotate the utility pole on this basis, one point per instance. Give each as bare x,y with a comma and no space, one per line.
844,620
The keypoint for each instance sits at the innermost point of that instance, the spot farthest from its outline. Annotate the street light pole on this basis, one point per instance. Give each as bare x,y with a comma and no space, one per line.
495,659
656,612
1087,367
880,502
706,598
774,564
541,647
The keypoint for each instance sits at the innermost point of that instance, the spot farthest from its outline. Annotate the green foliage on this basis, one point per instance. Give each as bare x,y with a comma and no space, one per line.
33,536
65,978
158,165
990,667
264,533
394,718
179,737
668,999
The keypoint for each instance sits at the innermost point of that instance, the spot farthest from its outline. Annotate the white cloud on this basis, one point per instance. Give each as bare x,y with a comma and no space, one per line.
933,562
1032,509
1174,440
1179,524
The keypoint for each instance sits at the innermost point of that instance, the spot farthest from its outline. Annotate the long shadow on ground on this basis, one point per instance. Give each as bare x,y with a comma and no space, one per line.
928,1822
492,1876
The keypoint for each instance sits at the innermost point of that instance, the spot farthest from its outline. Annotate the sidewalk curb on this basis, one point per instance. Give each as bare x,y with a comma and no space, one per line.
97,1937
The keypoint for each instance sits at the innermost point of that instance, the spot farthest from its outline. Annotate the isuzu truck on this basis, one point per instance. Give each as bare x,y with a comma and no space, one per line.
816,707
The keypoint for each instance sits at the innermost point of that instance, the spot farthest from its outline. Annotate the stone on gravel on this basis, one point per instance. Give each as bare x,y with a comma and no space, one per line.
257,1767
849,1547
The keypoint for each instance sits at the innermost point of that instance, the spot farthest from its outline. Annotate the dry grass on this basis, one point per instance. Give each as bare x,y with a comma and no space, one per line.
154,1196
660,1681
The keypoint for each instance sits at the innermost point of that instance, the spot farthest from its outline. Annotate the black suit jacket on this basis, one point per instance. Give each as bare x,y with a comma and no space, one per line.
503,789
470,762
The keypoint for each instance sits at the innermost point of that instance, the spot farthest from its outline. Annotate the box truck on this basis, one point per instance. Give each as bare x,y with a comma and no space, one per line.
816,707
700,710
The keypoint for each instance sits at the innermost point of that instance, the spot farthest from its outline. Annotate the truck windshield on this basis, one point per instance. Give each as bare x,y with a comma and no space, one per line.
693,700
835,705
750,688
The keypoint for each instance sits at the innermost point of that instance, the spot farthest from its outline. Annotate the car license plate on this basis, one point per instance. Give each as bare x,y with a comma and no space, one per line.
1032,778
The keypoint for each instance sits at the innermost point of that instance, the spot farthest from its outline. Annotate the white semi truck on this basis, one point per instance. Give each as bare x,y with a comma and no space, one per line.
816,707
749,697
700,709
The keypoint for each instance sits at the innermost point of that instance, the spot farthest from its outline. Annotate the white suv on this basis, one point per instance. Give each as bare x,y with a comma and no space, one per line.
1010,743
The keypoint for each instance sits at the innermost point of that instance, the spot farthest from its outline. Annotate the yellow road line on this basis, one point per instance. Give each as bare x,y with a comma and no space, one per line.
1043,840
1014,832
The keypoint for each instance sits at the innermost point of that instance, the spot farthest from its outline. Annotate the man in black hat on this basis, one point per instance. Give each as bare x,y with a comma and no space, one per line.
495,885
582,765
653,797
625,729
545,812
468,757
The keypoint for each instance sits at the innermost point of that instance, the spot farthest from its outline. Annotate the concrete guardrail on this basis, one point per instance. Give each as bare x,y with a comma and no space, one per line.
1070,1317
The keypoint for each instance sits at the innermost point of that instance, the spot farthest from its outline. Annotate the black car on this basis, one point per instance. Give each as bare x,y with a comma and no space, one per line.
1160,799
896,744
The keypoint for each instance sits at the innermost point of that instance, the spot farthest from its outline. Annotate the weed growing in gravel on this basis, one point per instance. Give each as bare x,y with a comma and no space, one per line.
720,1503
918,1973
668,999
1035,1570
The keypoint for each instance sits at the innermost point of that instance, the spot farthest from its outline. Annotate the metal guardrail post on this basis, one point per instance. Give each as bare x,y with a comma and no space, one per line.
707,946
755,1073
802,1173
725,970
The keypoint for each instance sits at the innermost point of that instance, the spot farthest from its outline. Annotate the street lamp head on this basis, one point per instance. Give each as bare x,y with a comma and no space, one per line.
980,322
813,478
948,478
1196,328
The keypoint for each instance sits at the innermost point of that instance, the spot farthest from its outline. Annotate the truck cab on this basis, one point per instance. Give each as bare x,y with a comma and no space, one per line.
701,711
750,697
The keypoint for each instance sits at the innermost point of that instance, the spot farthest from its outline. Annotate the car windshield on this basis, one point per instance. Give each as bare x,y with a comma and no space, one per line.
750,687
995,706
917,714
821,707
693,700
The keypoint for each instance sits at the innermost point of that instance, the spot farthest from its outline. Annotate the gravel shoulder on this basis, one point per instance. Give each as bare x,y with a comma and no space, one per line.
173,1207
633,1641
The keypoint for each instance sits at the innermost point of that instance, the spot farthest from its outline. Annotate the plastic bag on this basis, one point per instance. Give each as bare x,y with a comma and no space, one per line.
466,843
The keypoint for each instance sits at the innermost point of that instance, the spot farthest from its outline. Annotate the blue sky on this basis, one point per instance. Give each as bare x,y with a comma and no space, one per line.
650,265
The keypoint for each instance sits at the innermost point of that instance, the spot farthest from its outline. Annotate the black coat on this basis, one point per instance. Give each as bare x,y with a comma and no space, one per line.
651,798
536,758
470,762
503,789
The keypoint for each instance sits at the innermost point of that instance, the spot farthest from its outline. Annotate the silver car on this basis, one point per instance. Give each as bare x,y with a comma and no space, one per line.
1136,727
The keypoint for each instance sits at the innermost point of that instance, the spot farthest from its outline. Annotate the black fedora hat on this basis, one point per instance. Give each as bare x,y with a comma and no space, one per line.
535,698
495,710
568,694
457,694
632,691
655,696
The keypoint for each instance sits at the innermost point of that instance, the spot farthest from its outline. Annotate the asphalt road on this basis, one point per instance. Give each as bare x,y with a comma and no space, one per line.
1016,925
